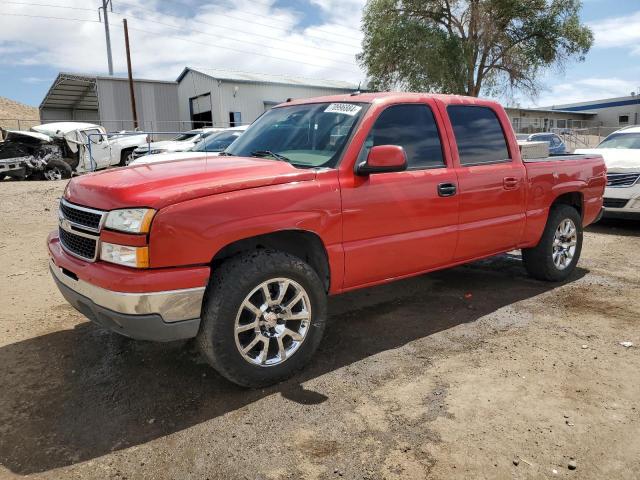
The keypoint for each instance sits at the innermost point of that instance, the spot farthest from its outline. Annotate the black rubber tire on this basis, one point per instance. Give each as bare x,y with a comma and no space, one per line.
124,154
64,167
229,285
539,260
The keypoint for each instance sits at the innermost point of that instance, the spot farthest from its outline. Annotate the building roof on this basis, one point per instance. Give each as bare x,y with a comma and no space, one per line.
78,90
599,104
552,110
246,77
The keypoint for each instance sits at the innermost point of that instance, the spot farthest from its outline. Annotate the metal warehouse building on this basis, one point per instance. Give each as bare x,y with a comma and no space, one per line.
224,98
198,98
105,100
620,111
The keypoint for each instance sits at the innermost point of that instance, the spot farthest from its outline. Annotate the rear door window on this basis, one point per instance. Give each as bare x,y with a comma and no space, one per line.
479,135
413,127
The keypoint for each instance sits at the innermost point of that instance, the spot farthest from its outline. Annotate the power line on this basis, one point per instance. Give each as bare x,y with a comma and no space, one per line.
234,39
51,6
334,52
270,4
2,14
351,45
193,20
237,50
162,34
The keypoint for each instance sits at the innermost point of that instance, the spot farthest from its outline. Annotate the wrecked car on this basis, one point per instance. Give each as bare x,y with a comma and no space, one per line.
55,151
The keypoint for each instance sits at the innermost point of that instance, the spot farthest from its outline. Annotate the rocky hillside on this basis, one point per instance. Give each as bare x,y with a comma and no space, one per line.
11,111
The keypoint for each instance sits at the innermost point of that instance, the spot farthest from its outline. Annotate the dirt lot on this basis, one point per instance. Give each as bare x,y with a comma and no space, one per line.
450,375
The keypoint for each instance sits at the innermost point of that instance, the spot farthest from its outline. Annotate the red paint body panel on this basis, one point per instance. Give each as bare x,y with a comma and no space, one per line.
374,228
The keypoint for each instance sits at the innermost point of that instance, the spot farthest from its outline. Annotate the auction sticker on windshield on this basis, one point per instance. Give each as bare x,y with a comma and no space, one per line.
344,108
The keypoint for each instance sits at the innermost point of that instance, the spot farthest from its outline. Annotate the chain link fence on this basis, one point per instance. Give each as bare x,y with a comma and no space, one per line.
113,126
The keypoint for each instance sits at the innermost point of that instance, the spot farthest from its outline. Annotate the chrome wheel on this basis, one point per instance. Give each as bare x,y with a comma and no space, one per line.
130,158
272,322
53,174
564,244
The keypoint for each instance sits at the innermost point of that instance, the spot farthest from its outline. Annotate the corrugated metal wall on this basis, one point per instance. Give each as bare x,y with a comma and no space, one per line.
247,98
156,105
195,84
48,115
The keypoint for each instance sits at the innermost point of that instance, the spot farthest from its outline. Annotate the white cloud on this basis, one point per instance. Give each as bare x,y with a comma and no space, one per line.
585,90
242,35
618,32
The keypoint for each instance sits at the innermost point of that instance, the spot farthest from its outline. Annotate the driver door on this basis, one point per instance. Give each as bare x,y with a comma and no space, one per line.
99,155
397,224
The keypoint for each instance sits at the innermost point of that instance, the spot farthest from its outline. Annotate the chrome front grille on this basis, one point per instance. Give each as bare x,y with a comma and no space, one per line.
80,246
622,179
80,230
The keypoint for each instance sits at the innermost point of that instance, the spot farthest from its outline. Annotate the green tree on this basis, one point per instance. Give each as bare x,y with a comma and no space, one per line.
469,46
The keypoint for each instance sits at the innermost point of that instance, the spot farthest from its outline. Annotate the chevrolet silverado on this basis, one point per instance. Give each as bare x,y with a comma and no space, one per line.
318,197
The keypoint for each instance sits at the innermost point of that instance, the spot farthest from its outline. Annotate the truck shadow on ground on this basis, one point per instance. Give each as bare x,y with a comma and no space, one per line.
78,394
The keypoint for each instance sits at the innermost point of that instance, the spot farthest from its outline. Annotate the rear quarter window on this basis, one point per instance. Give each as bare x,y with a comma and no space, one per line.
478,134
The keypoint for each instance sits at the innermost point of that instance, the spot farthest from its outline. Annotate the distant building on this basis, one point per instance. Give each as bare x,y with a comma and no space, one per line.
105,100
619,111
531,120
197,98
225,98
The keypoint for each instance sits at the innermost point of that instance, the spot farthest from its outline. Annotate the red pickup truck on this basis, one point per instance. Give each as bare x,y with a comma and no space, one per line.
318,197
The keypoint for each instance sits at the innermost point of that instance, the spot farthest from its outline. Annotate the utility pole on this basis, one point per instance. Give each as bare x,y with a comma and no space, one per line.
132,93
108,3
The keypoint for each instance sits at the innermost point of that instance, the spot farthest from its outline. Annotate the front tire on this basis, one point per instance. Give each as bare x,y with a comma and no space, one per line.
555,257
264,316
57,169
126,157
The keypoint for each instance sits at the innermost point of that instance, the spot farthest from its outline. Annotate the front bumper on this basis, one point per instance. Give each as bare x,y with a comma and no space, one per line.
622,202
159,316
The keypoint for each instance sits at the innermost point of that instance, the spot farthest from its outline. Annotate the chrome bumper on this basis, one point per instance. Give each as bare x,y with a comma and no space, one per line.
171,305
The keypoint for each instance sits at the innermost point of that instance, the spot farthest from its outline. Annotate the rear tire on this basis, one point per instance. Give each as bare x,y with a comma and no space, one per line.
555,257
263,318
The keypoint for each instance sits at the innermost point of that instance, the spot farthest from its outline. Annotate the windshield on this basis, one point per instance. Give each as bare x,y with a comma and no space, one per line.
216,142
310,135
184,136
621,140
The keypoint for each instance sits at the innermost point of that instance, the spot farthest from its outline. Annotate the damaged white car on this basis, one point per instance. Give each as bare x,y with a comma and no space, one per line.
54,151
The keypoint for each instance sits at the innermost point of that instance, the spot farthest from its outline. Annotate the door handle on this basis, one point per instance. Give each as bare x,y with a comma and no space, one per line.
447,189
510,183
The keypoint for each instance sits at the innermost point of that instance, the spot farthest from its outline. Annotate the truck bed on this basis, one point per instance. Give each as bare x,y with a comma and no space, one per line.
560,157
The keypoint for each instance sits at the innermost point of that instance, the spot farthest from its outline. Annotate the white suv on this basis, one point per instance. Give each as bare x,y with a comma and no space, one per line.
621,153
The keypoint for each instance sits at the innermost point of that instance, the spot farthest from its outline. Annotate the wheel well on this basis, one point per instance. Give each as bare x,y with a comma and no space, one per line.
305,245
126,151
573,199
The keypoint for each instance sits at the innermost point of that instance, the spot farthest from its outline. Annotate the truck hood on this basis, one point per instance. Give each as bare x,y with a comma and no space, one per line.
158,185
618,160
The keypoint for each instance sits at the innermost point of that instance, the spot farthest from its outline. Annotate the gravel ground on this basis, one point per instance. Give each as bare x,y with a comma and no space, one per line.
458,374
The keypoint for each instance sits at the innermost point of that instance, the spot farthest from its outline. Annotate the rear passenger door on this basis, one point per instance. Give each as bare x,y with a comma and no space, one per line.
397,223
491,183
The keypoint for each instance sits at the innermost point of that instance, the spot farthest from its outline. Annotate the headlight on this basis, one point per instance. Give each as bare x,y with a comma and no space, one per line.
136,257
130,220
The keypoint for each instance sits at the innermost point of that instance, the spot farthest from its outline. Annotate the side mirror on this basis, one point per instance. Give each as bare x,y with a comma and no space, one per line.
383,158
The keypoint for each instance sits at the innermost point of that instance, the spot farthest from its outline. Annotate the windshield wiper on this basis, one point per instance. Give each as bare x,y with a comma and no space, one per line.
224,154
269,153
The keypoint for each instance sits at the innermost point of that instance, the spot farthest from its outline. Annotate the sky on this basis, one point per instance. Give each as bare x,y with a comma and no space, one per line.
309,38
